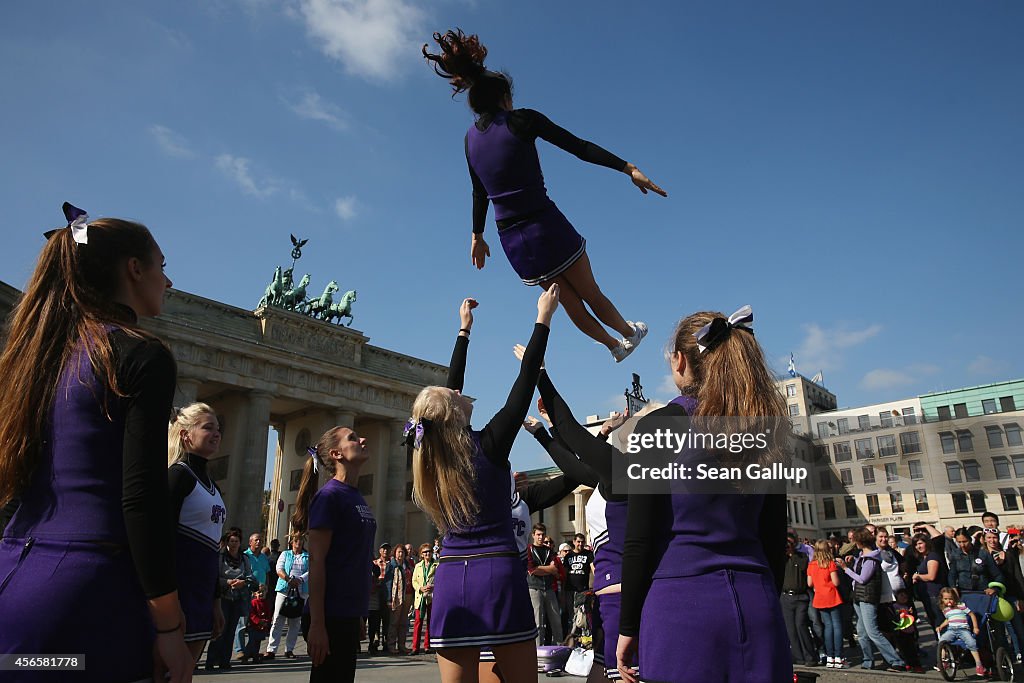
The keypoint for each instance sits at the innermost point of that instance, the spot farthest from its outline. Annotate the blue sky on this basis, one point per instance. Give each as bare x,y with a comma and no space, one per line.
853,170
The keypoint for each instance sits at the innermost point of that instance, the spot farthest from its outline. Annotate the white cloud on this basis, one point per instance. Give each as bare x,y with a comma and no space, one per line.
987,367
345,208
309,105
369,37
239,170
173,144
884,378
822,348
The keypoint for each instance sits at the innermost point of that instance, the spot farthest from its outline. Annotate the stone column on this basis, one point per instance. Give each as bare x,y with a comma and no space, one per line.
274,527
185,391
394,513
343,418
378,466
580,523
247,468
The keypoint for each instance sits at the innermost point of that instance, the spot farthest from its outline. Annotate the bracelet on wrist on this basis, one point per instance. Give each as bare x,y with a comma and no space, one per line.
464,329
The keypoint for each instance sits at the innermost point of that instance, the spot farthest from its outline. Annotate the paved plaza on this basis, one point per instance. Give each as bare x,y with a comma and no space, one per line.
423,669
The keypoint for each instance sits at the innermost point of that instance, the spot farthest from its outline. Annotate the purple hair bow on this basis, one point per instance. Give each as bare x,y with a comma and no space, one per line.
719,328
413,432
316,460
78,221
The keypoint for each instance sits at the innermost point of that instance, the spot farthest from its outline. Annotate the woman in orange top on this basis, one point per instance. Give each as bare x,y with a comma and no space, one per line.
823,577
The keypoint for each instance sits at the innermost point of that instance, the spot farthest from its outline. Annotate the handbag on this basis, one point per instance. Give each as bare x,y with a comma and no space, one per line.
579,662
293,603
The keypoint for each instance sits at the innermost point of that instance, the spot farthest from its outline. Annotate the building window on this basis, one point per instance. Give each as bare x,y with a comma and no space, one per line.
869,474
948,443
822,430
960,410
1018,466
965,440
890,472
295,480
953,472
995,437
1002,467
887,445
1007,404
1012,434
909,418
841,451
821,454
851,507
921,500
885,418
830,508
863,423
790,390
794,410
863,447
846,477
896,499
1009,498
408,491
843,424
910,443
572,513
977,501
971,470
826,479
915,470
944,413
810,514
988,406
959,503
873,508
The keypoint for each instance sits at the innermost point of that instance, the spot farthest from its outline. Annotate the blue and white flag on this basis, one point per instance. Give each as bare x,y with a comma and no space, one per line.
792,365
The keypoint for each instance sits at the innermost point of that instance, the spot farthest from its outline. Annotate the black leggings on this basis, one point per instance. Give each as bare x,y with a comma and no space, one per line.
343,640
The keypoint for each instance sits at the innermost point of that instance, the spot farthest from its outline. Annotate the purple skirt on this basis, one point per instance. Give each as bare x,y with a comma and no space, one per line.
481,602
74,598
606,633
714,628
542,246
196,567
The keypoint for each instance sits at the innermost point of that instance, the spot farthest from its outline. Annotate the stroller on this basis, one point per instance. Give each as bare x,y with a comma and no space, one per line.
992,646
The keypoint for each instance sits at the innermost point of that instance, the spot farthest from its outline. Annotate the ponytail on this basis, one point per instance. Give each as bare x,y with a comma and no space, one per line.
66,308
461,63
183,419
318,458
731,380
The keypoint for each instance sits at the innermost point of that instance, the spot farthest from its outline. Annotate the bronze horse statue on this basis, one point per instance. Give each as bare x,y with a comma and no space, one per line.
342,309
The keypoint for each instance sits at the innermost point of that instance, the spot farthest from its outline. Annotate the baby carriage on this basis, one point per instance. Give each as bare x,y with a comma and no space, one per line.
992,646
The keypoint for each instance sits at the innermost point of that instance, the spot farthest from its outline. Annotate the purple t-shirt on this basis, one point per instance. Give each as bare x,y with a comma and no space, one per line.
341,509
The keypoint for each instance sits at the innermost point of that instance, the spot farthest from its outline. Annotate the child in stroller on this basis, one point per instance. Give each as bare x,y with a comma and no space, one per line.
970,626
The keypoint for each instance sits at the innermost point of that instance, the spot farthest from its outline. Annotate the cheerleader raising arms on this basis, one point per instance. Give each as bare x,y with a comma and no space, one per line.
540,243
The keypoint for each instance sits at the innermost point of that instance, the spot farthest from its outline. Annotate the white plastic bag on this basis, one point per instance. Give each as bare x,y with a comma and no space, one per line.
580,662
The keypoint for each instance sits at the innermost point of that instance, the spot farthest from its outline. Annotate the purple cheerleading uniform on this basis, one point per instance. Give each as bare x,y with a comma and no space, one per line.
87,545
480,595
712,591
538,240
340,508
606,520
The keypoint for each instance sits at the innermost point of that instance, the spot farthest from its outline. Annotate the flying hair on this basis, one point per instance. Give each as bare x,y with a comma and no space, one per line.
461,62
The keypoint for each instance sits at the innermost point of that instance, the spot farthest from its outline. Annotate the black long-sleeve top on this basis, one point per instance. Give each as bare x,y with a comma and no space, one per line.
648,519
594,452
497,437
528,125
146,373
